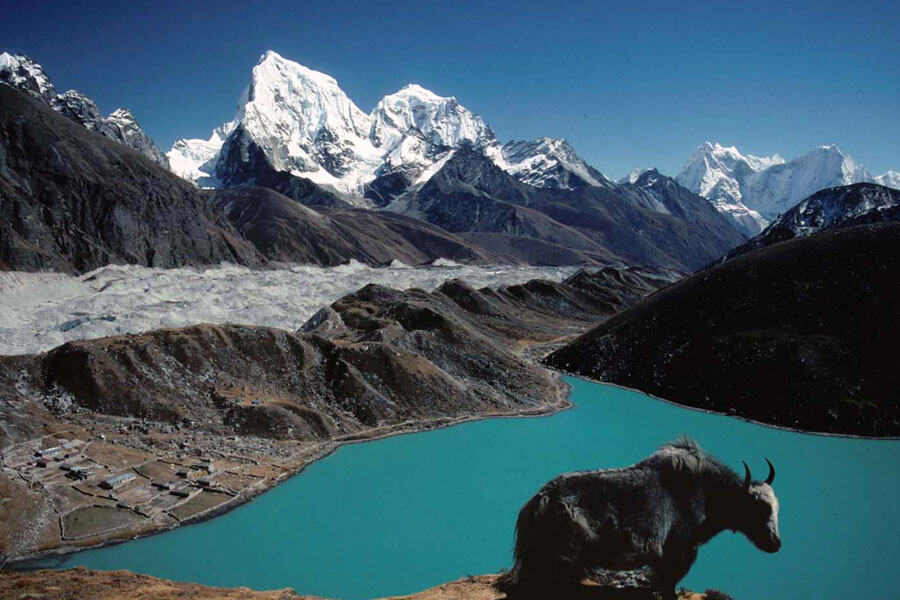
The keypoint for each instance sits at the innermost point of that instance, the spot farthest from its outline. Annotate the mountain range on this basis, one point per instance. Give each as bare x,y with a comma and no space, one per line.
754,190
451,190
417,156
302,122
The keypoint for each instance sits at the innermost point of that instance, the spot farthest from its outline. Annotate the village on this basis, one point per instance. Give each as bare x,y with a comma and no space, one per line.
109,479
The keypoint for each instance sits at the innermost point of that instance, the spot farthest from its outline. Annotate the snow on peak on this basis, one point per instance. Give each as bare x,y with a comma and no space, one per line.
28,76
24,74
195,159
547,162
123,114
304,123
720,174
634,175
763,187
776,189
889,179
414,128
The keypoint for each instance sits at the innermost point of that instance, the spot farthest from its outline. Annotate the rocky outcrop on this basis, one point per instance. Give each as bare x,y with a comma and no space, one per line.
27,76
799,334
124,585
73,201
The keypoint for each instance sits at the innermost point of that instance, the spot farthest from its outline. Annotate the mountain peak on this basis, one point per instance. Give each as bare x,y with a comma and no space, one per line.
746,185
416,90
303,123
273,70
269,55
636,174
548,162
26,75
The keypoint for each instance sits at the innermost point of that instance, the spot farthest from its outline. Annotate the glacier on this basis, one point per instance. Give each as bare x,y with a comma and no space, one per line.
39,311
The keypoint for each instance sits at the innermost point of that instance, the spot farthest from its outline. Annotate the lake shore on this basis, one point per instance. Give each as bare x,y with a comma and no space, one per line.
728,414
39,560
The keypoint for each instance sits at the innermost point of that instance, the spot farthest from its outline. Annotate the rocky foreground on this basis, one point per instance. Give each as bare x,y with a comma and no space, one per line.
193,421
124,585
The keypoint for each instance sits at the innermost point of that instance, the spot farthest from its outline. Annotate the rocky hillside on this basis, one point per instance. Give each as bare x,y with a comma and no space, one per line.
74,200
285,230
263,402
653,221
799,334
29,77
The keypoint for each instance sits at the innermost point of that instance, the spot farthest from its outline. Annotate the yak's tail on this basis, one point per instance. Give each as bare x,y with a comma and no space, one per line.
530,542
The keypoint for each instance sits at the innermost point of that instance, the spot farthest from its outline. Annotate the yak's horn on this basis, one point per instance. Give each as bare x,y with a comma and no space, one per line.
771,476
746,476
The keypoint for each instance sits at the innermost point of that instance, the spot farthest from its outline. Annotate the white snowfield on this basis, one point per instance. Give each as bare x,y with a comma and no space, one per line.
39,311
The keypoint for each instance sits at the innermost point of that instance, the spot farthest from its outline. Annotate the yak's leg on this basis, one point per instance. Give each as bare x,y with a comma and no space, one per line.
670,569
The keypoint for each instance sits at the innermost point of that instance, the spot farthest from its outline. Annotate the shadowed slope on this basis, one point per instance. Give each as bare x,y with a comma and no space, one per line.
800,334
74,200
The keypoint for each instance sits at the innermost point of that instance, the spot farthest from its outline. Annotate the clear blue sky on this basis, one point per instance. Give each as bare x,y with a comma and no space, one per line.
628,86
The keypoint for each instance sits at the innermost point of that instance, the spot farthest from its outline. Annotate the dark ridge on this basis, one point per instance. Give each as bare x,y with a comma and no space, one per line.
73,201
832,208
800,334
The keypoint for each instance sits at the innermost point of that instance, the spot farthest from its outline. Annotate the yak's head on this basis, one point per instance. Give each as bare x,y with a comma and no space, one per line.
758,518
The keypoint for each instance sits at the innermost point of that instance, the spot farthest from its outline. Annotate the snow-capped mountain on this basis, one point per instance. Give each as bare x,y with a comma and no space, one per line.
774,190
634,175
716,172
27,76
195,160
890,179
547,162
299,120
752,188
415,127
830,208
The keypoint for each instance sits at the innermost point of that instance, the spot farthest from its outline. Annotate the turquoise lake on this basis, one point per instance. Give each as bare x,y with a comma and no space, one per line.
398,515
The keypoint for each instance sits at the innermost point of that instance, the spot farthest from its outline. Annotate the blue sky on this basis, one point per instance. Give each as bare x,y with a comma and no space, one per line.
629,86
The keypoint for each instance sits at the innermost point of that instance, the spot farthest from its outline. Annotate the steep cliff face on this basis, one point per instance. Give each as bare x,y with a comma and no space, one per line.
74,201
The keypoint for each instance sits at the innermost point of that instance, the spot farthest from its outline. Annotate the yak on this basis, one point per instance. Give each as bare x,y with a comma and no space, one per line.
654,514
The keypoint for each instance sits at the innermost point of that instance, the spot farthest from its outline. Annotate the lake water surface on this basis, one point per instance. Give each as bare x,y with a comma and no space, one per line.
398,515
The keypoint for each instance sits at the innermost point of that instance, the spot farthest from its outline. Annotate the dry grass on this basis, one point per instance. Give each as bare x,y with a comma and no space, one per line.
80,583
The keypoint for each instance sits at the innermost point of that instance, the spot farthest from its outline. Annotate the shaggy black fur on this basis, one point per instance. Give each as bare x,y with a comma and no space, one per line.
655,513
